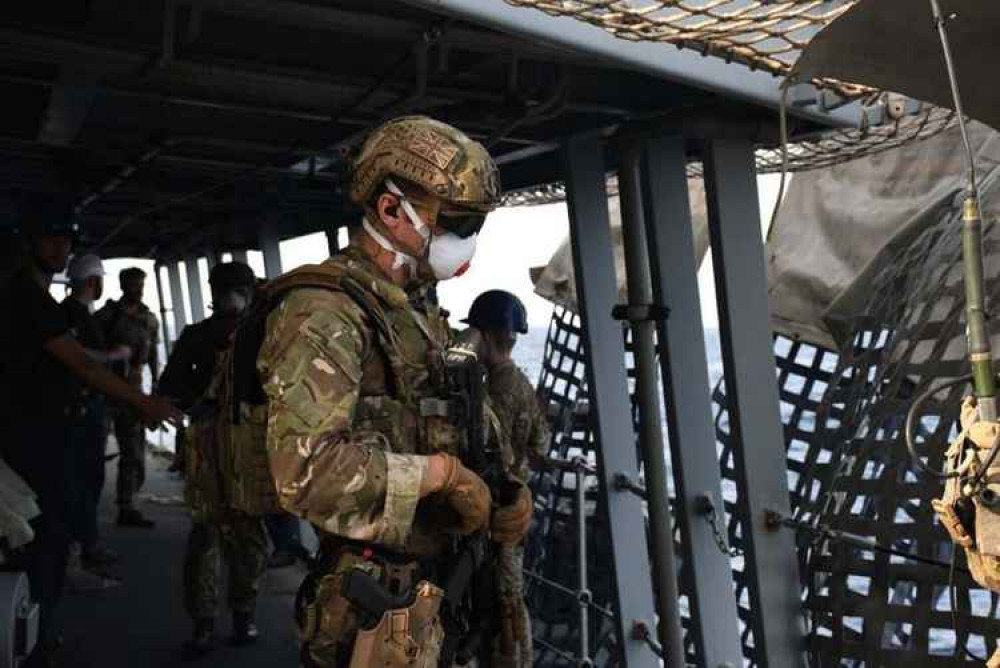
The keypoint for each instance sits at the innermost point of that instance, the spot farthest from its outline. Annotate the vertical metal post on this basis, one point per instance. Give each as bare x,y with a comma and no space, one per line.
213,257
611,416
583,590
752,392
167,341
177,298
240,255
269,246
194,288
651,444
687,397
332,243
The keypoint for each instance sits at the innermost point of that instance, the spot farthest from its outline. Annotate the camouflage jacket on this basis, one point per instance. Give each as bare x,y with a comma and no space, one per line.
522,423
344,429
139,331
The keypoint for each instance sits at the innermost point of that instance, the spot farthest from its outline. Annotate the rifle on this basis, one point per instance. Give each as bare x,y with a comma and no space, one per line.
469,612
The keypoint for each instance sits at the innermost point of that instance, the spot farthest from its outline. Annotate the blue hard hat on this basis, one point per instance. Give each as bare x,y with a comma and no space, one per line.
498,309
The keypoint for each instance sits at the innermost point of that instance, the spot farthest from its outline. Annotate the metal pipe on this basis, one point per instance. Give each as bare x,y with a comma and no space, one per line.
651,444
583,594
553,106
980,353
163,309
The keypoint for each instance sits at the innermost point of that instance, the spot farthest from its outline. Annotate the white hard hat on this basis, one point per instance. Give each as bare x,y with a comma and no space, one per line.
82,267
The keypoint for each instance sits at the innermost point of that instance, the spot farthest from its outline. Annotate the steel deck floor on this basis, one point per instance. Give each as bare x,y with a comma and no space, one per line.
142,622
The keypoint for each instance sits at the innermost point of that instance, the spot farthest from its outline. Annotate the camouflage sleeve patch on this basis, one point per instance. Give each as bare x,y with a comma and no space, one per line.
402,495
342,481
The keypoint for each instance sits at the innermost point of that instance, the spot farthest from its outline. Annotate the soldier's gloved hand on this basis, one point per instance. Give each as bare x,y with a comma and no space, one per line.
511,522
466,494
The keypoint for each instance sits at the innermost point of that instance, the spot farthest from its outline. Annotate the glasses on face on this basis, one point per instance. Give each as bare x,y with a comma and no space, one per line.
464,223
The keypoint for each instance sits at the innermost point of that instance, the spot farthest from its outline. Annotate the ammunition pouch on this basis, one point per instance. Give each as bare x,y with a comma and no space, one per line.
202,485
248,470
409,431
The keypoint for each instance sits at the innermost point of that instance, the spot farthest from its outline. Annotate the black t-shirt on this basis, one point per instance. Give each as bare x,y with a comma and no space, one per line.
84,328
33,384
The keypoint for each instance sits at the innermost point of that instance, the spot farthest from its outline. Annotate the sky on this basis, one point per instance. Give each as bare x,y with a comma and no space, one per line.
513,240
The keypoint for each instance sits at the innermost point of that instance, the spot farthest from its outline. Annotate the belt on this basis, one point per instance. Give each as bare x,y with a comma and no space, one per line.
396,571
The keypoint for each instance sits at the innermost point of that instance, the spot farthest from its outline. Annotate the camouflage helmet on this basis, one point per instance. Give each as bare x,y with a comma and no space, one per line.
433,155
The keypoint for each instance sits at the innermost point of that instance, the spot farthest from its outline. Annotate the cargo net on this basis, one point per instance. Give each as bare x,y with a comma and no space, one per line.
762,35
552,581
889,604
552,549
874,560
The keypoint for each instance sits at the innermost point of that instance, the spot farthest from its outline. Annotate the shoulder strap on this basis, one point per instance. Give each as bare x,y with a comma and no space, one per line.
328,276
338,278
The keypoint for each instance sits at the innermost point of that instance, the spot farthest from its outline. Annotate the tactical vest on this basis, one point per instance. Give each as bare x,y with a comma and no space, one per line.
402,375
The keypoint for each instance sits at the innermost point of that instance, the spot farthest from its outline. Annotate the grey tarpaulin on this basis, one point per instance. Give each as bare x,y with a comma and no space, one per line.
838,226
555,280
835,230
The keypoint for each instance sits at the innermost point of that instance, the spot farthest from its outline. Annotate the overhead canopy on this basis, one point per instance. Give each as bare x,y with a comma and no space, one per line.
892,45
182,125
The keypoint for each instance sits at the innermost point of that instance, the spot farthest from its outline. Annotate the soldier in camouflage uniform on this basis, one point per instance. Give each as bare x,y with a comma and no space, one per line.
129,322
219,532
499,317
357,442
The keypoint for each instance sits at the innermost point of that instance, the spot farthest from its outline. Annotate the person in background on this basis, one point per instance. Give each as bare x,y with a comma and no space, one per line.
129,322
499,317
89,426
286,535
40,372
218,533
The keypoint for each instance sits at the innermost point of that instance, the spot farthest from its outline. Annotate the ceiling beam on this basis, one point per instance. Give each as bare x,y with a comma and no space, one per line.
332,19
70,100
663,61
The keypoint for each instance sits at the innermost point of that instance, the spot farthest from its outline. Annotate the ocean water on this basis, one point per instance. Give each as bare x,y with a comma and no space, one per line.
530,351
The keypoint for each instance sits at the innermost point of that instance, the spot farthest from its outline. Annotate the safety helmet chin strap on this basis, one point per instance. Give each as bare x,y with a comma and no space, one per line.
401,258
418,223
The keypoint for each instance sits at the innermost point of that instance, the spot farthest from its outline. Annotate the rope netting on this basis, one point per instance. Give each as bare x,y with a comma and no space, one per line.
760,34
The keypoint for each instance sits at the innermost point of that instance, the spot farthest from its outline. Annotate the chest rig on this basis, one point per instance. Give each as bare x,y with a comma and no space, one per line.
403,376
403,370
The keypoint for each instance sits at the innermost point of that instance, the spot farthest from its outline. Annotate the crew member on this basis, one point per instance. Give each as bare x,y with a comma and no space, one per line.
218,533
358,445
38,383
89,414
499,317
129,322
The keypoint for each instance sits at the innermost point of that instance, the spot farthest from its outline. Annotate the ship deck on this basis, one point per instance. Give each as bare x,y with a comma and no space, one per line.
143,622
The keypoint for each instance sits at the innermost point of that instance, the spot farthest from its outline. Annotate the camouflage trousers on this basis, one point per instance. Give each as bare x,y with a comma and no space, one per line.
131,436
237,541
514,647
